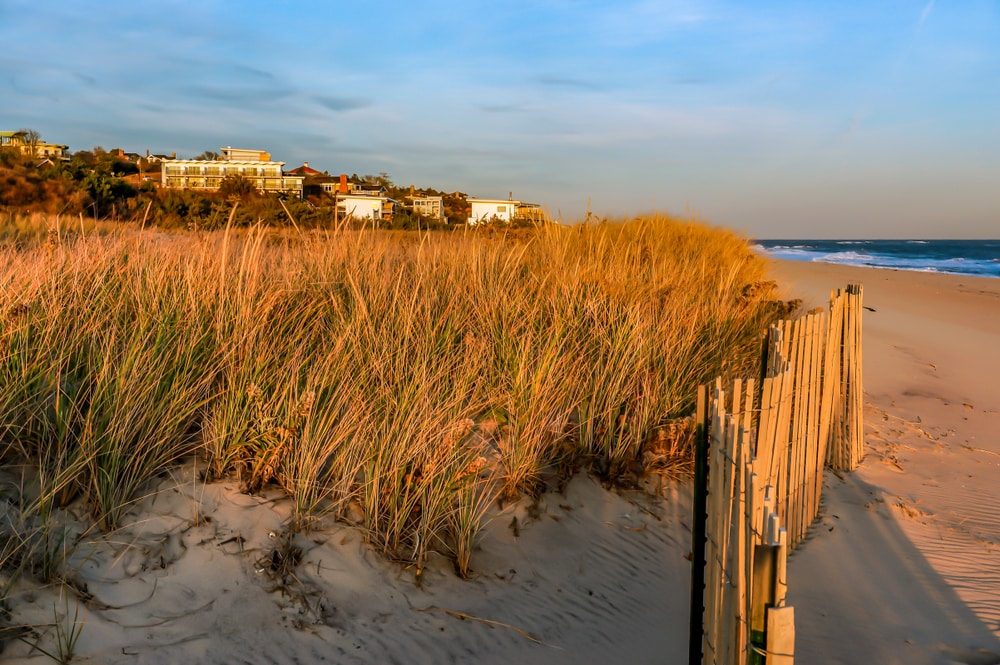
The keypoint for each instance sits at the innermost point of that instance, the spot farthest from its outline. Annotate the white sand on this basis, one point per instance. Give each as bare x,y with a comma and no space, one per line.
903,566
594,578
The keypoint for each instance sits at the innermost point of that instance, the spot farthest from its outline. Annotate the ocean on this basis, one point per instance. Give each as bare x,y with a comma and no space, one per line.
961,257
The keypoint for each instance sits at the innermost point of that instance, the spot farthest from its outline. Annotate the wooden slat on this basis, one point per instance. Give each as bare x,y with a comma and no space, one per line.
781,636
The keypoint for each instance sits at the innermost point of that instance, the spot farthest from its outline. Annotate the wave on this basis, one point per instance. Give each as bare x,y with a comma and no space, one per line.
961,265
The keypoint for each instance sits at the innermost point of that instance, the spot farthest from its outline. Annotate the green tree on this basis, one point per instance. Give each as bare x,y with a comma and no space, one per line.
237,186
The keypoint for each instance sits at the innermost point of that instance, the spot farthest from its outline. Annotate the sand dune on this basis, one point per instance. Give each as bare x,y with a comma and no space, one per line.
902,567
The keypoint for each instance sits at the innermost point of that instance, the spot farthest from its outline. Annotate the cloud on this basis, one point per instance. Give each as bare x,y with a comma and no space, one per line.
565,82
341,104
253,72
502,108
85,78
247,95
925,12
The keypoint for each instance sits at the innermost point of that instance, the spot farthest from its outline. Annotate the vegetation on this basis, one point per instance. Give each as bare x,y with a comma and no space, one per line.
400,382
104,185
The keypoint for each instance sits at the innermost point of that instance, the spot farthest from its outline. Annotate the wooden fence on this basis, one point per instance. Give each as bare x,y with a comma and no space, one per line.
759,477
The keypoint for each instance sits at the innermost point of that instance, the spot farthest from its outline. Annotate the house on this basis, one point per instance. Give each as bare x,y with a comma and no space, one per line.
492,210
319,183
428,206
33,147
532,212
360,206
504,211
154,158
305,170
254,165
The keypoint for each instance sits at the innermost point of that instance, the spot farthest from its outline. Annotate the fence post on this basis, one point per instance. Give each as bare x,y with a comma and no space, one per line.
697,628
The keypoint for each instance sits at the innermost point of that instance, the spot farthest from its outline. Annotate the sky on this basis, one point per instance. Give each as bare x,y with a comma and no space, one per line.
777,119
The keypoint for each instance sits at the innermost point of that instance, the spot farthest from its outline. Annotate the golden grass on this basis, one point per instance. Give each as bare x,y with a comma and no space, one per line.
403,382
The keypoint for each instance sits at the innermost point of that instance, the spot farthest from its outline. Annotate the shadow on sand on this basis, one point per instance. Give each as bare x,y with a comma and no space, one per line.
863,593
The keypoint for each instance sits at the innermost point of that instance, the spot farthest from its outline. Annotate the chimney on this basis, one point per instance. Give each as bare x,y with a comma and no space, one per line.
173,155
343,183
305,165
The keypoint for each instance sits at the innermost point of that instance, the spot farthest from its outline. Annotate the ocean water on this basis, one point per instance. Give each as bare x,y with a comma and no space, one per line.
962,257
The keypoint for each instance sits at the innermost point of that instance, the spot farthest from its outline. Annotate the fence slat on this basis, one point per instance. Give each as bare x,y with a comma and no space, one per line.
767,444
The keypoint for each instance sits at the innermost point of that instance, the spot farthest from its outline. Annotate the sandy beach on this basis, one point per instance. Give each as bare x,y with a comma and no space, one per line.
902,566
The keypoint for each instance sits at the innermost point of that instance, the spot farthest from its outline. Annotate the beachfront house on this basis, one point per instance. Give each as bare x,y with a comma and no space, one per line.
254,165
431,207
504,211
492,210
33,146
360,206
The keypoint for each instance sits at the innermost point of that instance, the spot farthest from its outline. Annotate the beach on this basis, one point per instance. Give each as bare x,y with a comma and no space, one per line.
901,567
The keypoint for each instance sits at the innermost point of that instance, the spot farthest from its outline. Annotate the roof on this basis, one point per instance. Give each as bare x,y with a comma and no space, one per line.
305,169
473,200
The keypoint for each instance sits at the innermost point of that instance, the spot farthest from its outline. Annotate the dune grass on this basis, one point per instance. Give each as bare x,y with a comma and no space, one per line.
401,382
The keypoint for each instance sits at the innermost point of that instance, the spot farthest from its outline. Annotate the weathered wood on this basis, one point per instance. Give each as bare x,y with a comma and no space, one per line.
768,443
781,636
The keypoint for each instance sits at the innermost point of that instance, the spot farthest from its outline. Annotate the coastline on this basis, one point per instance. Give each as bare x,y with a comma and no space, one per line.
901,567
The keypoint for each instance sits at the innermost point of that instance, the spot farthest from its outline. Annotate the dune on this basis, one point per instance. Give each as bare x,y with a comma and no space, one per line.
204,574
902,566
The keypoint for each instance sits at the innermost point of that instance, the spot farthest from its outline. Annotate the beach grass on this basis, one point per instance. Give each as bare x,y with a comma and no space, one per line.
401,382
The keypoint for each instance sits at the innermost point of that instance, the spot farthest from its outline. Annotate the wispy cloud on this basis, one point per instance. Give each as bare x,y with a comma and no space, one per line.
925,12
341,104
565,82
502,108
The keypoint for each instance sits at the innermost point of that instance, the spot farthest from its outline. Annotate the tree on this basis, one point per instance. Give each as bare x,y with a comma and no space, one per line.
30,139
237,186
208,156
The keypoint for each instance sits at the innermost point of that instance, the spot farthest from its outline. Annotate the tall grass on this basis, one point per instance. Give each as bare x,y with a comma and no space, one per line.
401,382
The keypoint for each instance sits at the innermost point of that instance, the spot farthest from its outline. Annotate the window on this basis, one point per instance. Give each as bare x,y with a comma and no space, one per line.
501,208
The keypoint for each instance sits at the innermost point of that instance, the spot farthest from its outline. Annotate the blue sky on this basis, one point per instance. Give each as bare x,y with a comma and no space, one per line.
780,119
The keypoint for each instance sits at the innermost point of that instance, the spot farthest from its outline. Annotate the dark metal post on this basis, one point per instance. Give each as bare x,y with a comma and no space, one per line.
697,630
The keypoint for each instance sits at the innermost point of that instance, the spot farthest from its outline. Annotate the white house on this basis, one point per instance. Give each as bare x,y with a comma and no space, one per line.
492,210
360,206
428,206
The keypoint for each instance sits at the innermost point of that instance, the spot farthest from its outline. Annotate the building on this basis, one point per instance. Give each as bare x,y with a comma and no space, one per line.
33,147
360,206
504,211
428,206
254,165
320,183
492,210
532,212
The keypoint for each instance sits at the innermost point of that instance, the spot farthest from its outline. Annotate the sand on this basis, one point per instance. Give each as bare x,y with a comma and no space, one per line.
902,567
904,564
